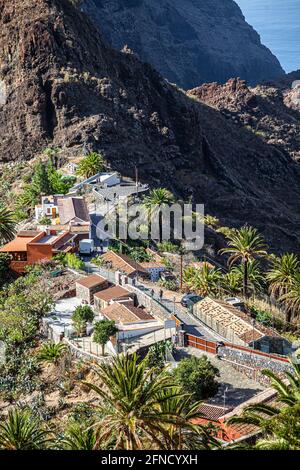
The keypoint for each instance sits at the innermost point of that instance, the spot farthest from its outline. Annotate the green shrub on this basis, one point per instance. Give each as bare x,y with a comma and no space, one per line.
197,376
82,315
103,330
73,262
169,285
45,220
168,247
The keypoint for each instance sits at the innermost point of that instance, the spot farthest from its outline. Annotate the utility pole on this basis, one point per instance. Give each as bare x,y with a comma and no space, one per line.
181,270
182,253
224,397
136,179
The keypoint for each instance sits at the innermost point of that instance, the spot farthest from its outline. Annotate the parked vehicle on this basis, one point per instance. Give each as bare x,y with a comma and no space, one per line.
86,247
189,300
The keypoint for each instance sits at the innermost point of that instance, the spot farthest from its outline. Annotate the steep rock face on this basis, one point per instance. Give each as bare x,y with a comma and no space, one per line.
269,110
188,41
61,85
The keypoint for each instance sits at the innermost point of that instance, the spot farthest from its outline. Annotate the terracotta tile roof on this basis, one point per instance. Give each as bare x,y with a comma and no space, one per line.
239,430
230,317
91,281
119,313
113,293
126,313
213,412
122,263
231,432
71,208
141,313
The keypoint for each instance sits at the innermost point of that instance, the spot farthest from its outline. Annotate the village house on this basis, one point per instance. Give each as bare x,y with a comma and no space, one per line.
48,207
131,321
124,264
238,327
30,247
73,211
103,179
88,286
115,293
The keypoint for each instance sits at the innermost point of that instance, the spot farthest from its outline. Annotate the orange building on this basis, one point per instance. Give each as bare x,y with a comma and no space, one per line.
30,247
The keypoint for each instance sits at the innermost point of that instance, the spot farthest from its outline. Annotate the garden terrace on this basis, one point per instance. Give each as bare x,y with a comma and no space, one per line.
238,327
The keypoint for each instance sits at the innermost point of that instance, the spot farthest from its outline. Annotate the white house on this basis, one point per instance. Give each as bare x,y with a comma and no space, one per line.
48,207
131,321
109,179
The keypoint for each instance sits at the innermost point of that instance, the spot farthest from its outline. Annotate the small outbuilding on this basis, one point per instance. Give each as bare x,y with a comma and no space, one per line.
88,286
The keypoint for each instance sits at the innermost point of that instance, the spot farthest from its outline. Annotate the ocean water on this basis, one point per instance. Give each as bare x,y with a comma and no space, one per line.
278,23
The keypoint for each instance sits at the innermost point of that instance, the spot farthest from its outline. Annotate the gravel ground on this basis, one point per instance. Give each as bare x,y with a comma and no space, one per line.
239,387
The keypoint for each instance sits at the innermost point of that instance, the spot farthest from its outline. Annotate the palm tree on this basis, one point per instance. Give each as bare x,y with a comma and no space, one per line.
182,431
7,225
281,279
29,197
279,424
204,281
255,276
245,244
282,273
132,398
157,200
90,165
20,431
291,297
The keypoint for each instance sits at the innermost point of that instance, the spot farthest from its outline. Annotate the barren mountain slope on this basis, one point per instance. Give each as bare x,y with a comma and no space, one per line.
269,110
189,41
61,85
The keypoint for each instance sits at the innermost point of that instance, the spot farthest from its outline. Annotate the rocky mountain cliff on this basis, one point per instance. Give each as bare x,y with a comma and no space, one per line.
269,110
62,85
189,41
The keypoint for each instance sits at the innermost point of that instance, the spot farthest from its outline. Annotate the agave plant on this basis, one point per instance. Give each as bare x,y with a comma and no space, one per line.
80,437
51,352
20,431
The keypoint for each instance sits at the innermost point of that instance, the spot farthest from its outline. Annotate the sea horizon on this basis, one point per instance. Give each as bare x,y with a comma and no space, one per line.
278,24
